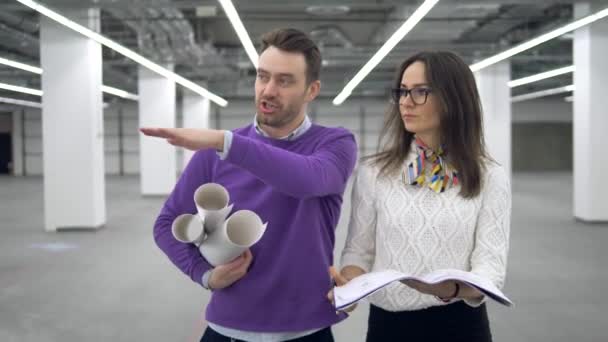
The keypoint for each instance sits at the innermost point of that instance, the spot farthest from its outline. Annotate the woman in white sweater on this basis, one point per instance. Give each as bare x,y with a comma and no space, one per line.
432,198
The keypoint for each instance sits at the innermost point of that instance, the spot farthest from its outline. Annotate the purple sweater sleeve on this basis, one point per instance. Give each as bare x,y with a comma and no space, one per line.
185,256
322,173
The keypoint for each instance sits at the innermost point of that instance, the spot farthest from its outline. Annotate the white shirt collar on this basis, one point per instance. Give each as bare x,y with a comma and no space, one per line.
296,133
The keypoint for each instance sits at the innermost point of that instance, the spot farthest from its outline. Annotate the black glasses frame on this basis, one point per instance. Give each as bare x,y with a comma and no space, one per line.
398,93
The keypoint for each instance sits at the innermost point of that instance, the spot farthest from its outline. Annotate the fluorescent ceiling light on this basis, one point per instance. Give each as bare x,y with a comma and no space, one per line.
20,102
241,32
19,89
542,93
407,26
105,89
25,90
38,92
541,76
21,66
124,51
539,40
119,92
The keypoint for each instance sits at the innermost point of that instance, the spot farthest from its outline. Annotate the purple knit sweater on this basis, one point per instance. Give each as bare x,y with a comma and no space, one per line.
297,187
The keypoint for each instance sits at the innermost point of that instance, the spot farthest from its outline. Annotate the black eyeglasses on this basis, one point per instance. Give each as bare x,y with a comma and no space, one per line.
418,95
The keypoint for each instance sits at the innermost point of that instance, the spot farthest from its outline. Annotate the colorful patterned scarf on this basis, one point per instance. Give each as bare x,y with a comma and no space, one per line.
441,176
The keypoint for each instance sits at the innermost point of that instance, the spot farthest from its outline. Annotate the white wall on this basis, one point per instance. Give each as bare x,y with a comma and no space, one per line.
240,112
6,126
33,141
112,140
17,141
130,138
11,122
5,122
547,109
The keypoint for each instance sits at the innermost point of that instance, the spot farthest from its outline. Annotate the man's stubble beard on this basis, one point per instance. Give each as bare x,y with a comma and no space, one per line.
283,118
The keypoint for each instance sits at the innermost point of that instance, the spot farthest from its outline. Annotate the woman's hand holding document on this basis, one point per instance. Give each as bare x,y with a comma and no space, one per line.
350,272
366,284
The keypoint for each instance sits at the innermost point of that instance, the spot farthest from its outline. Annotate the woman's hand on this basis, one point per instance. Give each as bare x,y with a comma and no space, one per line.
346,275
448,289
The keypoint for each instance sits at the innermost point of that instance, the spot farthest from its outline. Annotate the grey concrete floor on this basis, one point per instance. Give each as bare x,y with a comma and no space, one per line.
115,285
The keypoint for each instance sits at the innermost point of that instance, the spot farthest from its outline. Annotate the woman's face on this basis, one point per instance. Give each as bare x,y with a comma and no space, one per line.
420,109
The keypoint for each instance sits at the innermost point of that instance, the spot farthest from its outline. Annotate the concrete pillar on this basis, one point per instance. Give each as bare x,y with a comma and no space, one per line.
157,158
590,121
196,115
496,101
72,125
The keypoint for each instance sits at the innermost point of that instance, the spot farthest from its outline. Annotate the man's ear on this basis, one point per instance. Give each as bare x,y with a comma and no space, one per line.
313,90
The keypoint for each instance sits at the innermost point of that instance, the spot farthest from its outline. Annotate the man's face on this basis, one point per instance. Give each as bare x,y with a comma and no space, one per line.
280,87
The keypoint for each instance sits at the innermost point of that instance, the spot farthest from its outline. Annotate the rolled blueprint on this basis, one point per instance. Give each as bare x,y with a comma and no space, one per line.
242,230
212,205
188,228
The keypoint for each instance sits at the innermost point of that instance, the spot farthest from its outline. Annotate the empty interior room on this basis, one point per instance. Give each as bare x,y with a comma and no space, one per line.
151,150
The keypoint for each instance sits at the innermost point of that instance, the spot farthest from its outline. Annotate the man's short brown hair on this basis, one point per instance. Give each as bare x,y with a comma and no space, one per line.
292,40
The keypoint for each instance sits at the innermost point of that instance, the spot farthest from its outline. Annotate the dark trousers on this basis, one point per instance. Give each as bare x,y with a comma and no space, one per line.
453,322
323,335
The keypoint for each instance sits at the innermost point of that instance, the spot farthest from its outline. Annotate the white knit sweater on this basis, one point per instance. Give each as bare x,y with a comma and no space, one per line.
415,230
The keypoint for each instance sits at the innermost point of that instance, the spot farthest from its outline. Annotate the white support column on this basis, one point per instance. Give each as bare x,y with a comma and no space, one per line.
496,102
72,125
196,115
590,121
157,158
17,142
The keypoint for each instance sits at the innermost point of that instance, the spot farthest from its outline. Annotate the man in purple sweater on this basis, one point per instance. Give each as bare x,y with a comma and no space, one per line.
289,171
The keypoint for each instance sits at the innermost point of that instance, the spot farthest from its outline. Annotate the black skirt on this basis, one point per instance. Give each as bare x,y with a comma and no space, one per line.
454,322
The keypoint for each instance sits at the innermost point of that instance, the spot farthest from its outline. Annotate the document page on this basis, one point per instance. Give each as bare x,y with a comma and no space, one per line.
366,284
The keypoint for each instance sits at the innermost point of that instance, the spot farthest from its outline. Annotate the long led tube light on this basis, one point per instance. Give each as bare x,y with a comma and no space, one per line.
119,93
542,93
22,66
241,32
539,40
19,89
541,76
38,92
20,102
401,32
37,70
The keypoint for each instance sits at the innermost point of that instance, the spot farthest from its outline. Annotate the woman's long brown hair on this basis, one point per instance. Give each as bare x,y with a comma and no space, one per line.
461,127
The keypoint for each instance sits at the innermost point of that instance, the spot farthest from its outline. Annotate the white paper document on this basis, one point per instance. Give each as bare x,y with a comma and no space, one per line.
366,284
